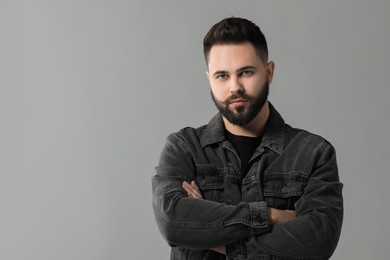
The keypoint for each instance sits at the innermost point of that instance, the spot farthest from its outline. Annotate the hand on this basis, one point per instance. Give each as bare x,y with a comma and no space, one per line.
280,216
192,190
219,249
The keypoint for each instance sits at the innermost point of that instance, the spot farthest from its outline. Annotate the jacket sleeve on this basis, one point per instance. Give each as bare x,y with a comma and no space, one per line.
315,231
195,223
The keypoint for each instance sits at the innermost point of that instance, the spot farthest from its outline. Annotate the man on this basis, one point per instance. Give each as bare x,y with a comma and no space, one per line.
246,185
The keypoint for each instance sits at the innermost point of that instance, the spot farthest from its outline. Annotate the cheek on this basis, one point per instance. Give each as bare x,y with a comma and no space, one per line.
254,87
218,92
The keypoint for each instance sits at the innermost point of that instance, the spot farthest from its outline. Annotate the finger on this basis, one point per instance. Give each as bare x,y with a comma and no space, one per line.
187,187
196,189
194,193
193,184
191,192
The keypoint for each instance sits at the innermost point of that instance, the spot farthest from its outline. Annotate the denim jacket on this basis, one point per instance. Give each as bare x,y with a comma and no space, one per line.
290,169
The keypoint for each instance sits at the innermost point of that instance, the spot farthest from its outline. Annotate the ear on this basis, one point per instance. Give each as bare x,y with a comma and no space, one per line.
207,74
270,71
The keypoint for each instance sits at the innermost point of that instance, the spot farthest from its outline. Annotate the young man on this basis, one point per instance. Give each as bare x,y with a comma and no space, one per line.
246,185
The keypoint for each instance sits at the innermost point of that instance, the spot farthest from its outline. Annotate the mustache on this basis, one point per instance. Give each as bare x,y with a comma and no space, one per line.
239,95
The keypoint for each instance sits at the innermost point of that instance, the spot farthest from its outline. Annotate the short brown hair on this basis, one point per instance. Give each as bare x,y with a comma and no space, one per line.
236,30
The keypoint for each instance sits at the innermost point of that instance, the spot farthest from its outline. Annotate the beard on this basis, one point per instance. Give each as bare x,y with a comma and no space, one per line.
242,115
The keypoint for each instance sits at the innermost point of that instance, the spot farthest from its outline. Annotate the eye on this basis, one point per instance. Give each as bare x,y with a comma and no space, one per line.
222,76
247,73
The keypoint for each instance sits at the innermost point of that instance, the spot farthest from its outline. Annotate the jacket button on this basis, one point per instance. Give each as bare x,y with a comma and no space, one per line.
202,182
284,189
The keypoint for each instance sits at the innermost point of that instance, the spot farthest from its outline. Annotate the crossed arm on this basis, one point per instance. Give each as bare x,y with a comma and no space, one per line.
275,215
312,230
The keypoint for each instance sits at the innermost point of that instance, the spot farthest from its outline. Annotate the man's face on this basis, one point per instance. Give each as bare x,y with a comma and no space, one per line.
239,81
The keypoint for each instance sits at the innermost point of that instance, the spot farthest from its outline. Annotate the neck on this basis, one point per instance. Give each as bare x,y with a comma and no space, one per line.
255,128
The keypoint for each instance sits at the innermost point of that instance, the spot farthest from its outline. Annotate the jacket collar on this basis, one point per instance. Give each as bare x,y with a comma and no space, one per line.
273,136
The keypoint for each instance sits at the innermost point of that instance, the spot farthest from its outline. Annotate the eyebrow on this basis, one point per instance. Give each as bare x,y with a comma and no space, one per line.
219,72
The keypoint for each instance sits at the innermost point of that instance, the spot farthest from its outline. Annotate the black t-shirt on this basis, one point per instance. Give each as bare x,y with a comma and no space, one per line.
245,146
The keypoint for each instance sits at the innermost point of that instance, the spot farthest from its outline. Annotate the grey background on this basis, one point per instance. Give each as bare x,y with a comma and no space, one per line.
89,90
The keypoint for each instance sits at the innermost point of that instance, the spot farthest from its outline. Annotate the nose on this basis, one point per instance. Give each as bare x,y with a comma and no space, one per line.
235,85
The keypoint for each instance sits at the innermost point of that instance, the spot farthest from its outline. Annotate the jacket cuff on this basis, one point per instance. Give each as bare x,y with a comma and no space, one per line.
259,217
258,213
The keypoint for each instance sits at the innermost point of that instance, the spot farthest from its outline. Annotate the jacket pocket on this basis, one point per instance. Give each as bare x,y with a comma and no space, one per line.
283,189
211,182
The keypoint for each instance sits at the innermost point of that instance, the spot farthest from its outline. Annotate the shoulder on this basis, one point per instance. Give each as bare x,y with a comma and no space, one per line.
188,133
209,133
187,138
306,139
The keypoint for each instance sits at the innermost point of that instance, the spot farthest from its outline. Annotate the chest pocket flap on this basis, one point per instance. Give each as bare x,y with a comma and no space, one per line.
284,184
211,182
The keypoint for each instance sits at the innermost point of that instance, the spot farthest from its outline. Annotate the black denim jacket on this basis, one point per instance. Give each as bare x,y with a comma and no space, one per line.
291,169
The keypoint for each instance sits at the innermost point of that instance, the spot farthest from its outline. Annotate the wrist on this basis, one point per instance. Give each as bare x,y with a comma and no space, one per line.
271,215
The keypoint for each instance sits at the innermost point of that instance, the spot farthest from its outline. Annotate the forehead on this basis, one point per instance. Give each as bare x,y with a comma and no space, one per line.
232,56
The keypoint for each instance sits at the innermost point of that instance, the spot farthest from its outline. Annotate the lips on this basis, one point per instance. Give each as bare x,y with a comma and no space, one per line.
238,101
